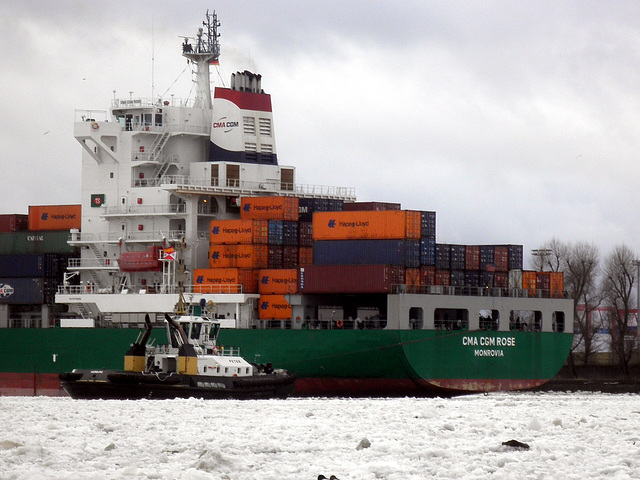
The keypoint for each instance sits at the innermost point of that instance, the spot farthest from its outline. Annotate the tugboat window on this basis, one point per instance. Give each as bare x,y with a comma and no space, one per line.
195,330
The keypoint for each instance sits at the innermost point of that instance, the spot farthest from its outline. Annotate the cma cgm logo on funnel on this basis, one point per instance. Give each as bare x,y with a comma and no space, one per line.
225,124
6,290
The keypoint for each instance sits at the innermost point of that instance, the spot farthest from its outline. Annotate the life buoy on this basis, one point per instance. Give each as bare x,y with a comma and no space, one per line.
339,324
95,125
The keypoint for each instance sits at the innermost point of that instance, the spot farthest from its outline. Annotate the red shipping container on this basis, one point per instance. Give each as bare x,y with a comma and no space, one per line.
428,275
501,280
501,258
274,307
55,217
13,222
370,206
305,256
278,281
290,256
349,278
269,208
238,231
543,281
472,257
238,256
443,277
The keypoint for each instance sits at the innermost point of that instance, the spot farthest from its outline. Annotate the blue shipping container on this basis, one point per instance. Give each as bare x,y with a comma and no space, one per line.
428,225
366,252
427,252
275,232
22,291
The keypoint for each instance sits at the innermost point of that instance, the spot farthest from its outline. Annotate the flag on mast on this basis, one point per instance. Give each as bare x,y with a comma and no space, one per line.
169,253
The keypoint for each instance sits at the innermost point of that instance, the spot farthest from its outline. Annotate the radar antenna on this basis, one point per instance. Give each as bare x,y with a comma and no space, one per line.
204,51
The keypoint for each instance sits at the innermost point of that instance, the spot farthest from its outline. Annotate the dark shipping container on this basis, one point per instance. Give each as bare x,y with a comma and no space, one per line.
44,241
487,258
443,256
515,257
32,265
305,234
349,278
13,222
290,255
367,252
274,259
308,206
427,252
370,206
25,291
458,257
428,225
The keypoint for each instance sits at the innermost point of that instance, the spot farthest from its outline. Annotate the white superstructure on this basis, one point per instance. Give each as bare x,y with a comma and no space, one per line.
155,172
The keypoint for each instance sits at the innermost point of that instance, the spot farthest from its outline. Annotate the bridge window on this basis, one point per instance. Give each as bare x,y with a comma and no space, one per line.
558,322
489,320
451,319
416,318
526,320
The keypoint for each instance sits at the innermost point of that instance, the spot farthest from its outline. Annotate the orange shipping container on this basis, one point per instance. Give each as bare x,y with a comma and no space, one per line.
412,276
274,307
238,256
225,280
389,224
239,231
413,225
278,281
55,217
556,283
269,208
529,282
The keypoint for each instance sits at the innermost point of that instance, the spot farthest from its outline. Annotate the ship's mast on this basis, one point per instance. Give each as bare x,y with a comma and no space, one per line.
204,51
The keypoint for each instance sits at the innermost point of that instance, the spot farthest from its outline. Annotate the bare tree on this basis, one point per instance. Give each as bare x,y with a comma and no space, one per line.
580,265
551,256
581,283
618,282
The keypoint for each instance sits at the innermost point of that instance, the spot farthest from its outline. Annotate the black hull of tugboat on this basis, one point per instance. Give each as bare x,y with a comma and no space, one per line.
119,385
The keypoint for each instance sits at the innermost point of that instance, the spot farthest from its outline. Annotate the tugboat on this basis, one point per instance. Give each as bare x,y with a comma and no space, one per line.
190,365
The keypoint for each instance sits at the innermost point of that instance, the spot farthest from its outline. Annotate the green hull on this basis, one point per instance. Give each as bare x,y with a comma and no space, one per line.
327,362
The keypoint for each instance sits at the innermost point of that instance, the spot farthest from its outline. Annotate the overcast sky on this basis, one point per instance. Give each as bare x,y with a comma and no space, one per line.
515,121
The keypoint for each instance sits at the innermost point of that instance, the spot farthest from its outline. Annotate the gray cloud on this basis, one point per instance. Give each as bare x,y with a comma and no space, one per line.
515,121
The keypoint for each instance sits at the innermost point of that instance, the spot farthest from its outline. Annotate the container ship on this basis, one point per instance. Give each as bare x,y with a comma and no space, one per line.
187,199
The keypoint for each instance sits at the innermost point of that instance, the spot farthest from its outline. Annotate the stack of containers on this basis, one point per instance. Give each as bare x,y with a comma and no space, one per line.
543,283
261,252
237,249
382,246
34,253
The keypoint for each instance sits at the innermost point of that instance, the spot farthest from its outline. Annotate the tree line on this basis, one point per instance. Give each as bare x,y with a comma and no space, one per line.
596,285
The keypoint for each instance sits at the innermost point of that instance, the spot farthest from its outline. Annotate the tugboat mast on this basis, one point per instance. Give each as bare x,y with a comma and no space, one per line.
205,51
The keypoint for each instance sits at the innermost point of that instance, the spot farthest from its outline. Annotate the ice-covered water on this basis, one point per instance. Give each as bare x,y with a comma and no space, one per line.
571,436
